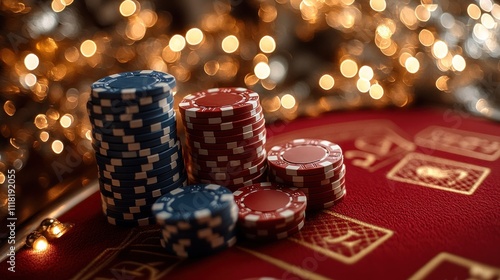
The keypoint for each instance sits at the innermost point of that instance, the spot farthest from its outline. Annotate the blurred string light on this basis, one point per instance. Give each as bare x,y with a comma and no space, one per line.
303,56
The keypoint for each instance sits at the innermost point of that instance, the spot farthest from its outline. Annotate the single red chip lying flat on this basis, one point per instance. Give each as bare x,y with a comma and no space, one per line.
305,157
269,203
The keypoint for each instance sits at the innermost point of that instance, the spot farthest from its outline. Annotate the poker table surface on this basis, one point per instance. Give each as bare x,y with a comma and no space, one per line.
422,202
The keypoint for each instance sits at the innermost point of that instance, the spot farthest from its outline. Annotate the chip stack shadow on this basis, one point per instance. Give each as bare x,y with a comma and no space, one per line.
135,140
226,136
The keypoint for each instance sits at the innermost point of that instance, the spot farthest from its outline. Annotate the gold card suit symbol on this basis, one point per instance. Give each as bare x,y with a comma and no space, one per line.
439,173
340,237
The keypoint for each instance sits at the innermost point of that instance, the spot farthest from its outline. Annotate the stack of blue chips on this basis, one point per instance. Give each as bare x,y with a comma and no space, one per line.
197,220
138,154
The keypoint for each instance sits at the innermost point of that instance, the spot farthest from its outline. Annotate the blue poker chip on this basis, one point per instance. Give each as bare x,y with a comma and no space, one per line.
112,130
136,191
131,223
168,178
128,117
129,209
124,215
135,154
169,163
143,101
169,130
188,249
117,161
216,225
133,85
135,146
130,109
162,171
192,203
136,123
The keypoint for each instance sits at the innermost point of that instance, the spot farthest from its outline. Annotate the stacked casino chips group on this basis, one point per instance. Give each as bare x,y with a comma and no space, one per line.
135,140
314,166
270,211
226,136
197,220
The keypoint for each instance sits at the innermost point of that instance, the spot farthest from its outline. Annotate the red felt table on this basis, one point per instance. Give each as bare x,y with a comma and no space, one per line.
423,202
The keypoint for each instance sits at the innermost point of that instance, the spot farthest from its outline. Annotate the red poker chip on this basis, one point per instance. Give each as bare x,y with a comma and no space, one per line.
276,236
234,172
230,132
218,145
226,125
270,228
250,155
228,152
229,180
305,157
331,175
226,139
326,205
307,184
332,194
269,203
315,190
230,167
257,179
219,120
218,102
214,164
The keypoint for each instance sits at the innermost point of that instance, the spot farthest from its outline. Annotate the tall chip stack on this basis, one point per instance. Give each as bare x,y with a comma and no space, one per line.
135,140
226,136
314,166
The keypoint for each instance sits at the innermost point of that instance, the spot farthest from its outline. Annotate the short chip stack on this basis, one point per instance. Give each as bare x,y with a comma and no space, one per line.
197,220
226,136
270,211
135,139
314,166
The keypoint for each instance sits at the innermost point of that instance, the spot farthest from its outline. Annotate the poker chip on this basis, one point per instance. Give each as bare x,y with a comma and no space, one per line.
219,102
314,166
137,152
196,220
224,127
304,157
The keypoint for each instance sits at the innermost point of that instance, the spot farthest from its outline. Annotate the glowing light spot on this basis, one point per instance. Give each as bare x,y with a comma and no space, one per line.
57,6
384,31
412,65
486,5
366,72
267,44
57,146
378,5
442,83
66,120
440,49
348,68
458,63
376,91
495,12
481,32
422,13
230,44
9,108
40,244
474,11
288,101
194,36
41,121
262,70
488,21
31,61
128,8
426,38
363,85
44,136
211,67
2,178
177,43
326,82
88,48
30,80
